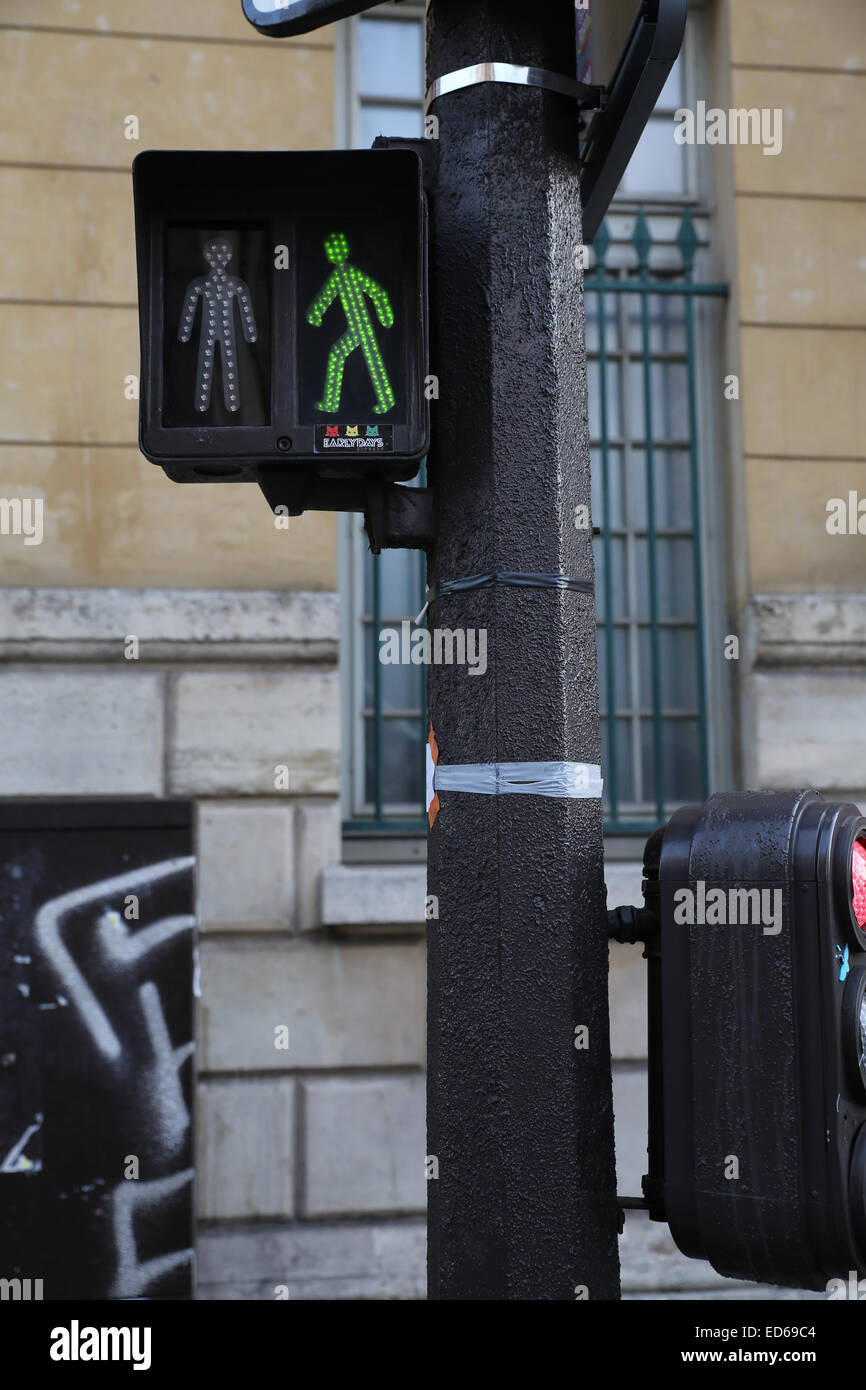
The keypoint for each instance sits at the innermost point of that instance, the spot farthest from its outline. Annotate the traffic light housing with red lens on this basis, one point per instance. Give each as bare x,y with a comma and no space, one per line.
757,1035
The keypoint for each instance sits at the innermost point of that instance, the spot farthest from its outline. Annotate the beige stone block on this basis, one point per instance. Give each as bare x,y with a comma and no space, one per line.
810,730
804,392
67,235
318,847
630,1127
809,629
231,729
245,866
366,1144
81,732
60,549
801,262
65,96
823,115
344,1005
790,549
214,534
179,625
799,33
245,1136
365,895
627,986
62,373
113,518
195,19
623,880
355,1261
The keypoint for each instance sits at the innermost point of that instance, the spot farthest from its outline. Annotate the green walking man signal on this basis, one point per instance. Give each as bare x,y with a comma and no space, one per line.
350,285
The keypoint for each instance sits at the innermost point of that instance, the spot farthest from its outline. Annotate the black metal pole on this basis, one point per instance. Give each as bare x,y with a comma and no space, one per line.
519,1118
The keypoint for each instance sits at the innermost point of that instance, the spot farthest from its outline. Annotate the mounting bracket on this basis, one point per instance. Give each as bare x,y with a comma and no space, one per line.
395,517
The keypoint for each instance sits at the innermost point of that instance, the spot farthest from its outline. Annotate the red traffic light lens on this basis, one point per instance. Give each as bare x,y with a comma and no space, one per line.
858,882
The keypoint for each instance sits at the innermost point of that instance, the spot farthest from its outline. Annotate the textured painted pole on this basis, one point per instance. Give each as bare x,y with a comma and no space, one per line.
519,1090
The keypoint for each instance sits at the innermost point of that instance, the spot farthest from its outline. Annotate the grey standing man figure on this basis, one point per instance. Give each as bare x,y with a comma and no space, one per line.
217,291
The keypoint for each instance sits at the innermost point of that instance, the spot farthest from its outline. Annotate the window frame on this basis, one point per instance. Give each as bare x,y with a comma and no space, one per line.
696,178
348,95
352,546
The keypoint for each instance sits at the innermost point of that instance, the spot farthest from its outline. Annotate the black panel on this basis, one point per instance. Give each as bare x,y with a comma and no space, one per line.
290,17
756,1065
96,1065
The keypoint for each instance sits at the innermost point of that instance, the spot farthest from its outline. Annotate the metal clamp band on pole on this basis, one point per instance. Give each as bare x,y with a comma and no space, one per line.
511,73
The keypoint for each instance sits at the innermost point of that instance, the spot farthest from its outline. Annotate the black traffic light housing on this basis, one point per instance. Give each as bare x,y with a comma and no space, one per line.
290,17
757,1042
283,313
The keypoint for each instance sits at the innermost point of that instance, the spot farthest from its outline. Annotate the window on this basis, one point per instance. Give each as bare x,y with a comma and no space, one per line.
380,74
659,168
644,312
650,364
380,90
650,426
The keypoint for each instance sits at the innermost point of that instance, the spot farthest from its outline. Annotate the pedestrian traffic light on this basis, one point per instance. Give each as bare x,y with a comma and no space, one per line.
757,1035
283,312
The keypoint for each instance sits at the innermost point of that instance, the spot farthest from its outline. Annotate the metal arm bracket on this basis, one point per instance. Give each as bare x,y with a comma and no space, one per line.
395,517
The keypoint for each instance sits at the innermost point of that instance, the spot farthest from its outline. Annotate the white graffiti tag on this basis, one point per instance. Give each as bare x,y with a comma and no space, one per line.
49,923
16,1161
158,1080
132,1277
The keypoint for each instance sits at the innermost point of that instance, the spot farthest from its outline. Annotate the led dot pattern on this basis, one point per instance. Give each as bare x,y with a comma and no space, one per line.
350,286
218,293
858,882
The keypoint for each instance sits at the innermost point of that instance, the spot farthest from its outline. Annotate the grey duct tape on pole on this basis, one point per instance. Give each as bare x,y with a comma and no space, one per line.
533,779
558,779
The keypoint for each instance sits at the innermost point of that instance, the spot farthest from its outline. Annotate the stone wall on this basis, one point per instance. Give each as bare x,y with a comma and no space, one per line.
193,76
225,689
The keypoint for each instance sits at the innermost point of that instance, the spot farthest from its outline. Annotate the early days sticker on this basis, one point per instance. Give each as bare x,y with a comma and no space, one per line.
359,439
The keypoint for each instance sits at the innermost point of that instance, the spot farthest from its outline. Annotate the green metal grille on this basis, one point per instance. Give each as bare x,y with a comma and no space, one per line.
649,565
394,707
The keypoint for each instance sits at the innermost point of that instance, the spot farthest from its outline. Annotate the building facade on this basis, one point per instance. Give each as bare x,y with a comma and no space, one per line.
727,413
